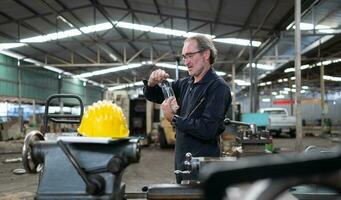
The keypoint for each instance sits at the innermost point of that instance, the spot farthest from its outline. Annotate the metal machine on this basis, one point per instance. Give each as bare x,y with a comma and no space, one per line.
275,174
251,140
79,167
75,167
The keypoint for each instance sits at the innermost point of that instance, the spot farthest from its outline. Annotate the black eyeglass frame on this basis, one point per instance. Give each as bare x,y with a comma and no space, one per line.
191,54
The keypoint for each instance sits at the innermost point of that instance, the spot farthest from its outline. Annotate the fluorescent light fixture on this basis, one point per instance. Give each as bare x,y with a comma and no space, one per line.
35,62
190,34
97,27
171,66
279,96
242,82
65,21
274,93
159,30
147,62
331,78
10,45
262,84
237,41
280,80
285,80
305,87
328,62
308,26
261,66
167,31
288,70
108,25
324,63
219,73
109,70
266,100
138,27
284,92
52,36
183,68
53,69
112,56
293,78
304,67
12,54
123,86
268,83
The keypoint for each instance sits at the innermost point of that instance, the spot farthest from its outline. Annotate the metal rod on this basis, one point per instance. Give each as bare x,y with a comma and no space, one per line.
73,161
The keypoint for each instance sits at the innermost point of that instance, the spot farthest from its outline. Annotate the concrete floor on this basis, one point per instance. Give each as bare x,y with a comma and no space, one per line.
155,166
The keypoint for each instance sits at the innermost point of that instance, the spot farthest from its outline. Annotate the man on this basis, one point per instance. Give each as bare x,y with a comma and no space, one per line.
202,99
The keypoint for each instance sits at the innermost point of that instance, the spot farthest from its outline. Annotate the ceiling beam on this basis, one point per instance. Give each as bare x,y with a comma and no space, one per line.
216,18
29,27
126,2
234,24
43,15
162,21
101,9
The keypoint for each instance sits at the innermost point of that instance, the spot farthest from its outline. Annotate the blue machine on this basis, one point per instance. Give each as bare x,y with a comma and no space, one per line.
79,167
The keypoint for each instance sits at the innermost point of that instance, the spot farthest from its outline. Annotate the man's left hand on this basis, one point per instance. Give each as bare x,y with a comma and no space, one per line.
168,106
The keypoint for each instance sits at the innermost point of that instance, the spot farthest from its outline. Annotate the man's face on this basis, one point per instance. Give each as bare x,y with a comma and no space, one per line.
195,59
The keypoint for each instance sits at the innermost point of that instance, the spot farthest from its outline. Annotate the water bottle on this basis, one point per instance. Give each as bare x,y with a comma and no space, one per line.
168,92
166,89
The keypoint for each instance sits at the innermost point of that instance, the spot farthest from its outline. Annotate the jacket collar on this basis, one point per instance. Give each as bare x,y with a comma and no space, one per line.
210,75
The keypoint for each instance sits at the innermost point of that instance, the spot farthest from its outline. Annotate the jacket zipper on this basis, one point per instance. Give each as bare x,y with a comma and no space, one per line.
196,107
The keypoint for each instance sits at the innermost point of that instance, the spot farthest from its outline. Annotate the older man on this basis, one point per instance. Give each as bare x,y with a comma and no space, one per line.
202,99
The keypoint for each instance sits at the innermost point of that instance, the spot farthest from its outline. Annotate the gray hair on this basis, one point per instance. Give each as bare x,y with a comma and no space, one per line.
204,43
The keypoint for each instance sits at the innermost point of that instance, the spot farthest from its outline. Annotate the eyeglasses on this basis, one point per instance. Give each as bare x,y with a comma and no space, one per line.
190,55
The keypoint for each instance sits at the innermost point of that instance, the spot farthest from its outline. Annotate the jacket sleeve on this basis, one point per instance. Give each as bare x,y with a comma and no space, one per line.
153,94
206,125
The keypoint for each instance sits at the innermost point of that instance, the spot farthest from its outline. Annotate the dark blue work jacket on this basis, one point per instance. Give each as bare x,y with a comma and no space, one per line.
203,106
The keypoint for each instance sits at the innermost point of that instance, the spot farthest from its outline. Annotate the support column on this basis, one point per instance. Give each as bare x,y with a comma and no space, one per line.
251,92
233,91
322,91
255,91
299,145
34,121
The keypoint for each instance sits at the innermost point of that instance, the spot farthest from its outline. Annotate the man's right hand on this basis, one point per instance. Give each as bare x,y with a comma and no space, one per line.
156,77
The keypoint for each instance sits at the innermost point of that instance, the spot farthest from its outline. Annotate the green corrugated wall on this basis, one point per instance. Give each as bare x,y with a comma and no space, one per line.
38,83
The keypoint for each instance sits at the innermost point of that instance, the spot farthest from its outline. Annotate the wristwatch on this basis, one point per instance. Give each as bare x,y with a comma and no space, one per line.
175,120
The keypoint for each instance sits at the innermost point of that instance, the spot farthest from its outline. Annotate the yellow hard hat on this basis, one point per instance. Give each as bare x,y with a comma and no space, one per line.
104,119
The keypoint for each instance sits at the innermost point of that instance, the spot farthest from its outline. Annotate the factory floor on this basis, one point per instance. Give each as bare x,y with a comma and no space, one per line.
155,166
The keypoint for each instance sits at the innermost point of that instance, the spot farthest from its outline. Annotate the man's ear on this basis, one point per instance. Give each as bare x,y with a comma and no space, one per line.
207,54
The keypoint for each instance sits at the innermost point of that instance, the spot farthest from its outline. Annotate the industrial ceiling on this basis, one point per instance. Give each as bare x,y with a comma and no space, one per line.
129,38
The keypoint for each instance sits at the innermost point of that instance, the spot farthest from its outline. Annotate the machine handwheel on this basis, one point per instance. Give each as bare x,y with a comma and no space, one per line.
29,162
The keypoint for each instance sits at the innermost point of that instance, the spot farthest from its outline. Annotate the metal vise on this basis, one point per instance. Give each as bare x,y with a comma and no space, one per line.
79,167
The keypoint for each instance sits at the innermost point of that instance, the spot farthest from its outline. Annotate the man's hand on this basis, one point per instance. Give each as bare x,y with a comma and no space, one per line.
169,108
156,77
